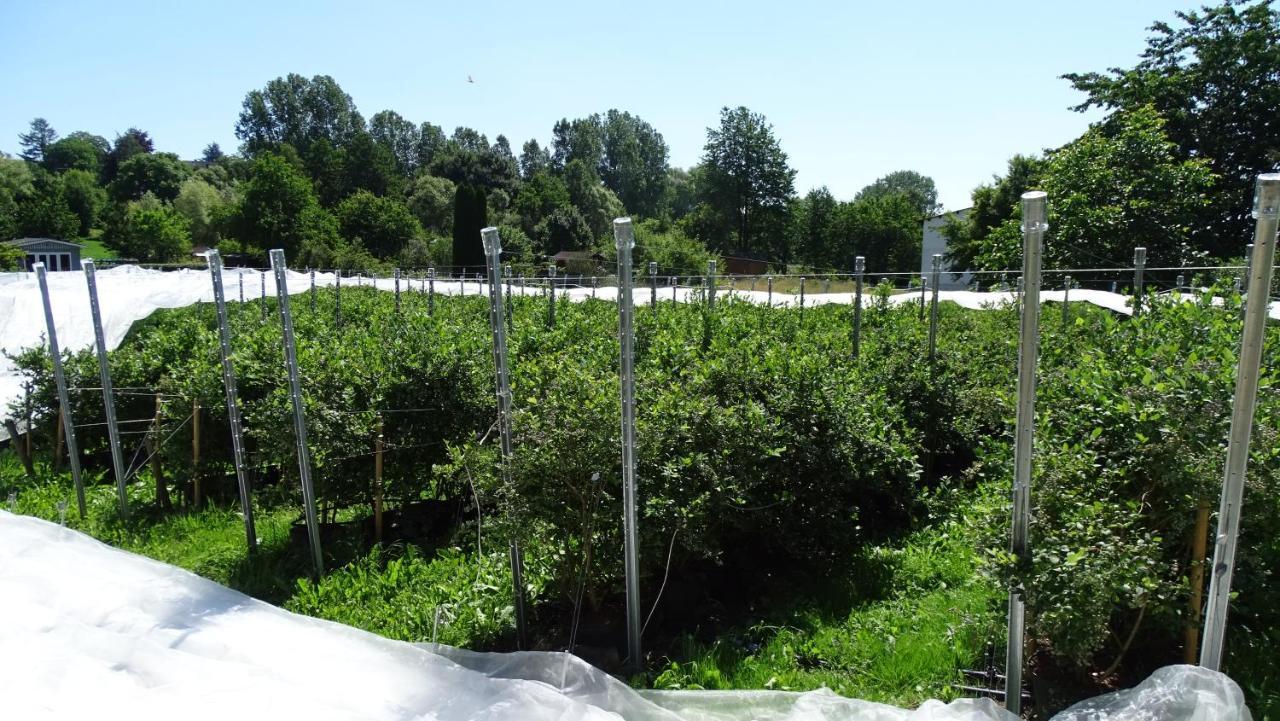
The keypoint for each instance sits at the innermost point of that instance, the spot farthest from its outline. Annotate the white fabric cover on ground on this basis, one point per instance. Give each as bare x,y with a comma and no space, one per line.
90,631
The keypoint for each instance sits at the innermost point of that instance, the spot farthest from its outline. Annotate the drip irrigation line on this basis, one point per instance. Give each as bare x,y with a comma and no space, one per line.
670,550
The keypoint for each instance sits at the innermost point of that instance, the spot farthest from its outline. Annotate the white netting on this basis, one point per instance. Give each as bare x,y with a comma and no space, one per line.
89,631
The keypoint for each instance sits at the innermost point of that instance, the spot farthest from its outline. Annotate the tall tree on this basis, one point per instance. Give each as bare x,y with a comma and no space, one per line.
430,140
469,216
400,138
431,201
919,188
533,159
817,242
37,140
212,153
128,144
158,173
633,162
994,204
297,111
279,209
76,151
885,229
745,185
369,165
384,225
1215,78
84,197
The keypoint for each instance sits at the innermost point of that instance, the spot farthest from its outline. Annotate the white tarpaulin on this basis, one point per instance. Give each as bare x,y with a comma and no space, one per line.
127,294
89,631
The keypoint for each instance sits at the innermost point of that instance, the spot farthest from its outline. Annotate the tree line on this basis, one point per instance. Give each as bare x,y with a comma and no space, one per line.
314,177
1170,167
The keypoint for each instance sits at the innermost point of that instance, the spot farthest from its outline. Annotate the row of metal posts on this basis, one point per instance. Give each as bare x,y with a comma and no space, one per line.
1267,212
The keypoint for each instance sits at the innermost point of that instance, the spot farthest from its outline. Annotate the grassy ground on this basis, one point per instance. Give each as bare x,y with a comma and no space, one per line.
894,625
93,247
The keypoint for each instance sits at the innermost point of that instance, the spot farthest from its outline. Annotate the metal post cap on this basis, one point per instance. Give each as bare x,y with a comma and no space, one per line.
1139,255
859,264
624,233
1266,196
492,246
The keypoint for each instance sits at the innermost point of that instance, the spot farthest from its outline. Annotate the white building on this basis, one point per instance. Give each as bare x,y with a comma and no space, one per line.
935,242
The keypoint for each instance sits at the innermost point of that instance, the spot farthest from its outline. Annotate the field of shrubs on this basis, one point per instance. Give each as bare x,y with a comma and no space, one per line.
807,516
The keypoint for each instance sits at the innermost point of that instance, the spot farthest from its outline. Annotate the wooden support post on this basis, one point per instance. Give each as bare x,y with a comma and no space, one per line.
1199,548
19,447
157,468
377,484
197,491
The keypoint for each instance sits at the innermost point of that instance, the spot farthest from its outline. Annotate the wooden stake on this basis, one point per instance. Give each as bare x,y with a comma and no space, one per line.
157,470
19,447
197,491
1199,544
377,484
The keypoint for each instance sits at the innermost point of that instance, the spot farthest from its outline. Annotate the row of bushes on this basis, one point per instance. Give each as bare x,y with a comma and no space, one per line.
764,445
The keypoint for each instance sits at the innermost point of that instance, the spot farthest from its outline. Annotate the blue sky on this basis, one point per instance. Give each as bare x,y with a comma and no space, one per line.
854,90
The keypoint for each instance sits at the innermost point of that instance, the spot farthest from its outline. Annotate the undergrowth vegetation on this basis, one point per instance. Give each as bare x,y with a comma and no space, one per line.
808,517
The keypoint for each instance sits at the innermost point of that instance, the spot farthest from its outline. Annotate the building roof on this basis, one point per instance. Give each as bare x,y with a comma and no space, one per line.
28,242
943,214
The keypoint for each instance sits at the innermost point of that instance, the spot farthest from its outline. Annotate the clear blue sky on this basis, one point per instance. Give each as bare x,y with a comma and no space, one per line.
854,90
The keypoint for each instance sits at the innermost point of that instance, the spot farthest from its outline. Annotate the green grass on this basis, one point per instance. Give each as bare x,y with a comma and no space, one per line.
897,628
93,247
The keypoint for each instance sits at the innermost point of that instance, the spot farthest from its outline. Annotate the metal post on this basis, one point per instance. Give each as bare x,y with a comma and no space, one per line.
933,308
653,285
431,291
299,419
313,290
263,301
1033,228
711,285
675,285
337,298
1139,264
769,303
595,283
802,293
59,378
397,282
551,306
624,235
510,315
1248,269
859,267
240,277
233,400
1178,283
924,288
108,398
1266,210
1066,298
493,253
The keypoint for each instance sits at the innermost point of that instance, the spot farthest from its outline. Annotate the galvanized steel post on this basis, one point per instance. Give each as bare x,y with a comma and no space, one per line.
510,315
1033,228
1266,210
624,235
108,399
59,378
262,302
1139,265
653,285
924,288
551,306
711,285
431,291
337,298
397,282
859,268
299,416
233,401
313,290
769,301
502,383
933,308
1066,298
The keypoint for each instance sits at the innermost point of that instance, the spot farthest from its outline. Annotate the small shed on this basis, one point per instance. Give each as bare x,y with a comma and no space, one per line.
55,254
